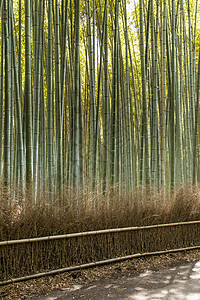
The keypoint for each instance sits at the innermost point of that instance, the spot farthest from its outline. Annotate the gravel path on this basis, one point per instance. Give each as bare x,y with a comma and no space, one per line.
177,283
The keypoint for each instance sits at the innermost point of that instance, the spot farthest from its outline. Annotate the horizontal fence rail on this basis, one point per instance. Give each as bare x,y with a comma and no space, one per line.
79,234
61,253
96,264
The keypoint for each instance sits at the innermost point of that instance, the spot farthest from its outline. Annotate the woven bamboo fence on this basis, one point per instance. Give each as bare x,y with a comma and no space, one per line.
54,254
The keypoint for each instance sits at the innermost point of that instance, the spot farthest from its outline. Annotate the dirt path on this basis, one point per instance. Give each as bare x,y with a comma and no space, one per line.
176,283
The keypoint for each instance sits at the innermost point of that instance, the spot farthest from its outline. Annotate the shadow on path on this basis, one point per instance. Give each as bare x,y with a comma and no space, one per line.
178,283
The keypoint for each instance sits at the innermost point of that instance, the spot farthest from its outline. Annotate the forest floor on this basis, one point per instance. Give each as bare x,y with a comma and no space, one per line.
156,277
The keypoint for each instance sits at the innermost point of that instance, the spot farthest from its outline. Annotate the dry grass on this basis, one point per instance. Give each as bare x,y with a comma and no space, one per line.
92,211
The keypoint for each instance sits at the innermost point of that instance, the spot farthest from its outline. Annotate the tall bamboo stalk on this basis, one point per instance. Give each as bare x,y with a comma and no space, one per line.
28,95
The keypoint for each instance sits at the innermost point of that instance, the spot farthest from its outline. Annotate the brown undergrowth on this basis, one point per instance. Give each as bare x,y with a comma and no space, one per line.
71,213
93,211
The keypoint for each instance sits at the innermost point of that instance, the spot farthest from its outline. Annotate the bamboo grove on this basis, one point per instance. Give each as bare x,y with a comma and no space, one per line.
95,95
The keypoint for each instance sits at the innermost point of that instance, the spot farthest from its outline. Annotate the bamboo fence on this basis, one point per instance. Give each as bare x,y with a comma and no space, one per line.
36,257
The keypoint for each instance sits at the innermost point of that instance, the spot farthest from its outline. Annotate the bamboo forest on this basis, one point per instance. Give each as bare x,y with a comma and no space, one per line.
98,94
99,133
